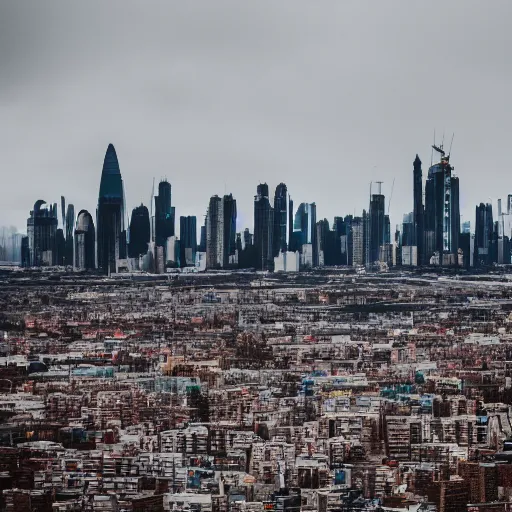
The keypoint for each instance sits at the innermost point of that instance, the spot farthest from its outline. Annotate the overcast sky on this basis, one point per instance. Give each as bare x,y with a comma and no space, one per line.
219,96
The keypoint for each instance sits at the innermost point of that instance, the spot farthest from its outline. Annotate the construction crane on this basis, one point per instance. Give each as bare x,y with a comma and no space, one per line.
439,149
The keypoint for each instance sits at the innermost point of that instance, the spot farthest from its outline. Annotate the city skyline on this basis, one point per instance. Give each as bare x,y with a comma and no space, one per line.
429,235
407,177
347,103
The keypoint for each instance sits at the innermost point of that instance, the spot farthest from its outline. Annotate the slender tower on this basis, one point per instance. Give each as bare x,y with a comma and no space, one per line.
418,208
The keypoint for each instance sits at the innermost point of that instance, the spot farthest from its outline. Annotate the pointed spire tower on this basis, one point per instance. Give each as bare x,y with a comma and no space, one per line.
110,215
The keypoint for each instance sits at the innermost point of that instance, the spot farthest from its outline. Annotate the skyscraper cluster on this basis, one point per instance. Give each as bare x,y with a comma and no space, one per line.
283,239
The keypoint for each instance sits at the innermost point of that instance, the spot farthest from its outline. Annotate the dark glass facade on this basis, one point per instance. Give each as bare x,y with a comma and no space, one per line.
110,215
164,215
442,215
140,232
263,228
304,230
188,241
377,226
418,211
283,220
229,228
483,234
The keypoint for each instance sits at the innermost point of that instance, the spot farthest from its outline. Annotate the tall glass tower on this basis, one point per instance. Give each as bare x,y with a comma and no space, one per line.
164,215
140,232
110,215
442,214
283,220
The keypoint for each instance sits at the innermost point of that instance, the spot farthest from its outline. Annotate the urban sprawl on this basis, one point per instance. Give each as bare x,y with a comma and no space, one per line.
295,368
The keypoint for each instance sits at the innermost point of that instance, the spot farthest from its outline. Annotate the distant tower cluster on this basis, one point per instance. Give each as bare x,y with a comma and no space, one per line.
283,239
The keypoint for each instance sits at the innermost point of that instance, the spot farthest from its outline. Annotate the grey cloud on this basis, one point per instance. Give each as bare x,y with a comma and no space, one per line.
325,96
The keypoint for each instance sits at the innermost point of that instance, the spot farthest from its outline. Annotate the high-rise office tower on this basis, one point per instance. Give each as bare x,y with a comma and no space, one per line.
339,243
408,248
140,232
358,240
60,247
215,233
85,241
346,240
70,226
377,226
229,220
42,235
164,215
408,230
283,220
442,214
262,228
386,249
110,215
418,211
325,240
483,234
188,245
305,233
202,237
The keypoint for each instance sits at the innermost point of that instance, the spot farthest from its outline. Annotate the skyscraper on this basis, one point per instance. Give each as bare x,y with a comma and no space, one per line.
483,234
340,242
418,211
262,227
358,240
215,233
325,239
305,233
140,232
229,228
164,215
188,245
42,235
442,214
60,247
283,220
110,215
70,226
85,240
377,226
202,236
